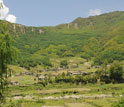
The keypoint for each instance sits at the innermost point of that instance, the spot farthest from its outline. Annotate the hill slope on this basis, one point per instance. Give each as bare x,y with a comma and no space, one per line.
98,38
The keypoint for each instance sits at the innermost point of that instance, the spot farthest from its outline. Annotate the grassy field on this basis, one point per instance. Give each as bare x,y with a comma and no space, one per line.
29,94
94,95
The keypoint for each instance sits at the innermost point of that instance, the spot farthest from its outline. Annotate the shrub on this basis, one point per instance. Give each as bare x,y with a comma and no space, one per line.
63,63
119,103
116,72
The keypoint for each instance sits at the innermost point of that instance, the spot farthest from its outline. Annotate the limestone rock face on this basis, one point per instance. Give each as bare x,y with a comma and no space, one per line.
41,31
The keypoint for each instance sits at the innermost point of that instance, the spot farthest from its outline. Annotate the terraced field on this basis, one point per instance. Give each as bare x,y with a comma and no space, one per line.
29,94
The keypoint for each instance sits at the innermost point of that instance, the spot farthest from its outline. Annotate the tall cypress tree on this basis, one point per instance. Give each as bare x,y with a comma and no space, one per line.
6,57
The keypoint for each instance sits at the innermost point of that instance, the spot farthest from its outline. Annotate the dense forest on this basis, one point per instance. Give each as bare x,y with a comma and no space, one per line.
97,38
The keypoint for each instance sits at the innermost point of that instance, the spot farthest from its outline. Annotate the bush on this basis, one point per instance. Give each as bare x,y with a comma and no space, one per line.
116,72
119,103
46,62
63,63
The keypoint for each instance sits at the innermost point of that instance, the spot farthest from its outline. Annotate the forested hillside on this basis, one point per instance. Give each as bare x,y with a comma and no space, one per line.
79,63
97,38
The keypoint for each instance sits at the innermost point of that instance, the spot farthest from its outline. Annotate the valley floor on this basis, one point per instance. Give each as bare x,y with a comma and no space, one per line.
62,95
25,92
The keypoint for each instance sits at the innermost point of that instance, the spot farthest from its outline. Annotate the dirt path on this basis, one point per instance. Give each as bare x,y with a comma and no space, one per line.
78,105
101,96
77,97
52,106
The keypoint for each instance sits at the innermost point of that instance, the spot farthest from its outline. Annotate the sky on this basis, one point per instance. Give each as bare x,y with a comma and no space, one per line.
54,12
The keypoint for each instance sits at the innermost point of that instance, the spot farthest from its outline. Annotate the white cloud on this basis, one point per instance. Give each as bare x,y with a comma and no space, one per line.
1,1
3,10
95,12
11,18
4,13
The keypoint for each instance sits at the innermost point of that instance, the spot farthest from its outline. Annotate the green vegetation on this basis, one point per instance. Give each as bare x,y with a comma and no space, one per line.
113,74
64,63
119,104
79,63
97,38
6,56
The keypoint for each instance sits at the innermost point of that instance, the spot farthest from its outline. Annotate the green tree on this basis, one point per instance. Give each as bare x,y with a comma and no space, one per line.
63,63
46,62
6,57
116,72
119,103
85,56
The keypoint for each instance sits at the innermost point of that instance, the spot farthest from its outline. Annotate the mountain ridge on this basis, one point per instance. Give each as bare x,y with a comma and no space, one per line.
97,38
